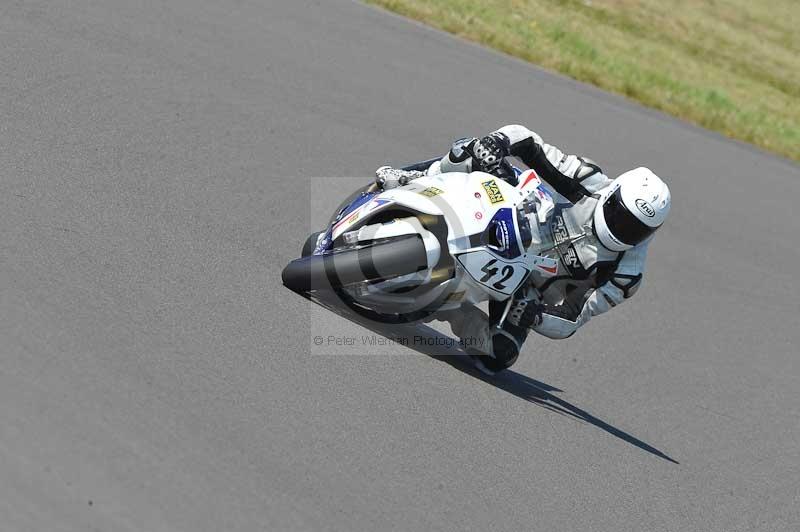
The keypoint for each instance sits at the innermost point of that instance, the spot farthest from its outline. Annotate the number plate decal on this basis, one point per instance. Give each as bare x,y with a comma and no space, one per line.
498,275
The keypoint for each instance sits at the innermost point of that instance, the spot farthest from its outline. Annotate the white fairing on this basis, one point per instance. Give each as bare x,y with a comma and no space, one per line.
403,226
468,202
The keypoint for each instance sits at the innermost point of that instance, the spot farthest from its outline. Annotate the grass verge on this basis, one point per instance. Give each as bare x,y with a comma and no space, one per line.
732,66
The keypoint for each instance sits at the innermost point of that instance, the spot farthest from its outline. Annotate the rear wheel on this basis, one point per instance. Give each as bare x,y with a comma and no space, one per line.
396,318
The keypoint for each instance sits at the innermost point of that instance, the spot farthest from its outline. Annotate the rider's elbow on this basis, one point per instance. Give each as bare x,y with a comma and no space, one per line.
517,133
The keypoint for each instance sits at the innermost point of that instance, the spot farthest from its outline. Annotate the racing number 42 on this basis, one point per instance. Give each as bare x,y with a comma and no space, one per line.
489,270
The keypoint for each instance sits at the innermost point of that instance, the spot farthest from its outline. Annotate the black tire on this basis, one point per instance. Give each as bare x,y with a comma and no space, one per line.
383,317
310,244
506,353
494,365
337,269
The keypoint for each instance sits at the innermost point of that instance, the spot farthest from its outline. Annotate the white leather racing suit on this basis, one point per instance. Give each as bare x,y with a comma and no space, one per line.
591,279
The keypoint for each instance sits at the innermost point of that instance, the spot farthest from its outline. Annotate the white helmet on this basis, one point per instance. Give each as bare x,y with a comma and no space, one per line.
630,209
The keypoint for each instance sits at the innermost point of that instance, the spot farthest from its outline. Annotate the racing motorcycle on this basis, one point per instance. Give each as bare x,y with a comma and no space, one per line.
434,244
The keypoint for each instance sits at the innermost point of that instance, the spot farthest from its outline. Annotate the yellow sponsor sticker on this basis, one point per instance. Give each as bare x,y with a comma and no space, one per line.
493,191
430,192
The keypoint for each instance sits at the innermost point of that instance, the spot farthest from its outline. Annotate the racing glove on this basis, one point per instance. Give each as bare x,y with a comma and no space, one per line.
507,339
525,313
489,155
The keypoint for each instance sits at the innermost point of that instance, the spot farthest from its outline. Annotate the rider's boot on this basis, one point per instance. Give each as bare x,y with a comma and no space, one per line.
507,338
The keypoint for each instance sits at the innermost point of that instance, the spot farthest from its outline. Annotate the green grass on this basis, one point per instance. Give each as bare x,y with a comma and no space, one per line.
732,66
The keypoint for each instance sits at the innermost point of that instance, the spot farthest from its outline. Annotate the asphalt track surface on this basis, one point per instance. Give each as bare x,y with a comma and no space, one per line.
161,162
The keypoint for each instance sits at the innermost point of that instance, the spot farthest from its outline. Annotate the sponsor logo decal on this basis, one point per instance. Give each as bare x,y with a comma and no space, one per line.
478,215
531,176
501,232
560,233
645,208
549,269
493,191
571,257
430,192
352,218
347,221
561,237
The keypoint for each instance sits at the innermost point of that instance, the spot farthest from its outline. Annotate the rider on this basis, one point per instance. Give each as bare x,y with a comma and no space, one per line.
602,228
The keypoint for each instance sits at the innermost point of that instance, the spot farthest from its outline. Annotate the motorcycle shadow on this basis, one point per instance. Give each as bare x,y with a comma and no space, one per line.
428,341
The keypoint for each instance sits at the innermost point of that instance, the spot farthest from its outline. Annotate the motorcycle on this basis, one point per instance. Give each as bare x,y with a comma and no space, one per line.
432,245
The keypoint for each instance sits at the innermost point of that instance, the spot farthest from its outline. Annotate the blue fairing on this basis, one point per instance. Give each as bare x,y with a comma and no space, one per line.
326,242
505,234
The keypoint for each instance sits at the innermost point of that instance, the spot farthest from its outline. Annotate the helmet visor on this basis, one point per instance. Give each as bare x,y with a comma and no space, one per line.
626,227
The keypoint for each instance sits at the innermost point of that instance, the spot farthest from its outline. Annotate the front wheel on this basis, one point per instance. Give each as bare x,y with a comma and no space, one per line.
339,268
310,244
